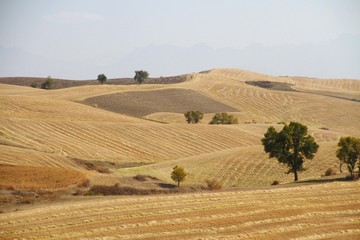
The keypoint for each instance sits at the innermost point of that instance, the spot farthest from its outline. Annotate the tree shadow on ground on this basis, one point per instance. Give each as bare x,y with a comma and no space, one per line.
167,185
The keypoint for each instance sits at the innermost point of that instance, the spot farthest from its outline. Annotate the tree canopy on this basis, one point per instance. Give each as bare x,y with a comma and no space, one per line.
48,84
141,76
102,78
193,116
348,152
223,118
178,175
291,146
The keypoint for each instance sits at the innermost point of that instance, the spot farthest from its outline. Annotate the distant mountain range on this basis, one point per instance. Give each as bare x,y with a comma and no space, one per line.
339,58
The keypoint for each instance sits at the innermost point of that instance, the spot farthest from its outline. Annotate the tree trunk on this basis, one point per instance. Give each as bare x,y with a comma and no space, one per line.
296,176
178,183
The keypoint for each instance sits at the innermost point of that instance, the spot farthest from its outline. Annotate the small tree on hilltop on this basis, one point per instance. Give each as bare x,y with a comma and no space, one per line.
102,78
291,146
48,84
193,116
223,118
178,175
141,76
348,152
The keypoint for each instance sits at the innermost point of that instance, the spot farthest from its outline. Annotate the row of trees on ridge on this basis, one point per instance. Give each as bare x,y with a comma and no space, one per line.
140,77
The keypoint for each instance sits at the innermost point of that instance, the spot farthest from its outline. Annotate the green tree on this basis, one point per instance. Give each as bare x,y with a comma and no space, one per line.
178,175
102,78
348,152
291,146
223,118
193,116
141,76
48,84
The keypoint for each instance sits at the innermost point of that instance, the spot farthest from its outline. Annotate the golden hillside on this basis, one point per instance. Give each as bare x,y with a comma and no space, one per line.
56,128
323,211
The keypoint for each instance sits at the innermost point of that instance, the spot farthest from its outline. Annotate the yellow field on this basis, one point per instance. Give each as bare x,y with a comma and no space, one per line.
41,128
324,211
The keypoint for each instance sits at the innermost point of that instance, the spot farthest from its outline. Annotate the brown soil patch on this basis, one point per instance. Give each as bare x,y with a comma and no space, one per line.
142,103
28,177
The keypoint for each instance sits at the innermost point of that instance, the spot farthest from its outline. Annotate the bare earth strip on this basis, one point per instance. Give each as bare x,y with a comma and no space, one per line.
140,104
324,211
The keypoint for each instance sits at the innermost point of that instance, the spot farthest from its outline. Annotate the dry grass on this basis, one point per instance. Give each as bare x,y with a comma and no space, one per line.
28,177
324,211
49,129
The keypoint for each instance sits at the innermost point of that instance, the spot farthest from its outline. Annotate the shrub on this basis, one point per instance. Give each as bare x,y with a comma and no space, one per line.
223,118
141,178
102,170
213,185
275,182
84,183
193,116
330,172
34,85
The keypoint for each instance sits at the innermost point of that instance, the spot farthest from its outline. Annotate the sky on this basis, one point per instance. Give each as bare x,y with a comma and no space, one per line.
79,39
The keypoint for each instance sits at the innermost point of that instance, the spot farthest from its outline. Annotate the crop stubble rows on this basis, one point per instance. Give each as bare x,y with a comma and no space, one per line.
300,212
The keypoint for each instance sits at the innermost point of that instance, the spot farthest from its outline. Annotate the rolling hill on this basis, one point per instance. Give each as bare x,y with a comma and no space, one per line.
127,130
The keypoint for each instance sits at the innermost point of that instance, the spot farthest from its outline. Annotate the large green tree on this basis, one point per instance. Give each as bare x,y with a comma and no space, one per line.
102,78
291,146
178,175
348,152
193,116
141,76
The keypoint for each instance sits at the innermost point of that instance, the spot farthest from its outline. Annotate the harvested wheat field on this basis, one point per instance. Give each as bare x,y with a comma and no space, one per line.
71,139
35,178
323,211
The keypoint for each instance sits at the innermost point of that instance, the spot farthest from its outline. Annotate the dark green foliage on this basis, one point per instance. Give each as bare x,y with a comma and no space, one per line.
348,152
48,84
193,116
34,85
141,76
223,118
102,78
178,175
291,146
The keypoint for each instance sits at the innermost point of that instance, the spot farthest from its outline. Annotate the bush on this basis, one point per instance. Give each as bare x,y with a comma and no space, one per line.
84,183
330,172
213,185
275,182
223,118
193,116
141,178
34,85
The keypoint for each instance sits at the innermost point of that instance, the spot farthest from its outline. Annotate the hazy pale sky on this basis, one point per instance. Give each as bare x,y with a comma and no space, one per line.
77,39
